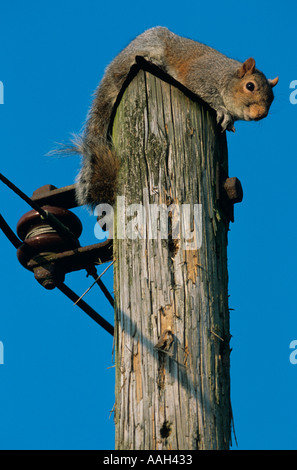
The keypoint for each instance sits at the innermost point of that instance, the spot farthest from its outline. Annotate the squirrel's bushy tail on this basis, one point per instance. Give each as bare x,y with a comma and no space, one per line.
97,180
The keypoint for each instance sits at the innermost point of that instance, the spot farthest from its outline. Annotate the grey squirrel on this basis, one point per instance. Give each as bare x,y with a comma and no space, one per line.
235,90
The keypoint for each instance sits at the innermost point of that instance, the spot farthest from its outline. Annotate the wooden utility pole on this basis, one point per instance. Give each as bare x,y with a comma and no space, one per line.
171,296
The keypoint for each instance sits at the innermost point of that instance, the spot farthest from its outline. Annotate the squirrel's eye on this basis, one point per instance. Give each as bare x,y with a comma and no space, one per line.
250,86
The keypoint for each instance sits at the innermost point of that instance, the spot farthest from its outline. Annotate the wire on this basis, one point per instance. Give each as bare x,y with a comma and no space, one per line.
45,215
86,308
93,272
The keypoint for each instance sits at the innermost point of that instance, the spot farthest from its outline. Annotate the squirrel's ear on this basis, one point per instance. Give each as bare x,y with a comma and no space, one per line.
247,68
273,82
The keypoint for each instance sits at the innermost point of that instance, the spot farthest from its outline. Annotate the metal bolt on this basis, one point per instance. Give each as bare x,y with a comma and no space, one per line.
48,275
233,189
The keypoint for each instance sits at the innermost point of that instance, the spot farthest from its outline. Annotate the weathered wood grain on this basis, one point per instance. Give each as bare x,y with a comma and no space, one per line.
171,314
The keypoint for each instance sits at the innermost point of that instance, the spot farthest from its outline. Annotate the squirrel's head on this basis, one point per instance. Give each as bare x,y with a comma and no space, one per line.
252,92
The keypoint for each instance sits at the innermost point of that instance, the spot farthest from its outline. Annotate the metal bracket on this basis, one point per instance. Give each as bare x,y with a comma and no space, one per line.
228,192
50,267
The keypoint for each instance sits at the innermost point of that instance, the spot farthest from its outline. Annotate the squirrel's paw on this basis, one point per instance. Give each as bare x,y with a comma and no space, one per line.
231,127
224,119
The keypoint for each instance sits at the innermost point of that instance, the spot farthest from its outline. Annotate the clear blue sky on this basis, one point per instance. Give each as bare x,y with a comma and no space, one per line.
56,383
